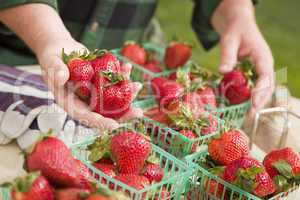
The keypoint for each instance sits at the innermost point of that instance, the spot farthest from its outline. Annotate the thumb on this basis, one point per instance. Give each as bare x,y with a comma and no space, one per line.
229,53
57,72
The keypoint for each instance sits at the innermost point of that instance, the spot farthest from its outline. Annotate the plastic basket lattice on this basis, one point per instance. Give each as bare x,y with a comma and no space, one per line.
198,187
176,175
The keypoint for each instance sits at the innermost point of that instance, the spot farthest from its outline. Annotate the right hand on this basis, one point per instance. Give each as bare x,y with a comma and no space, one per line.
56,76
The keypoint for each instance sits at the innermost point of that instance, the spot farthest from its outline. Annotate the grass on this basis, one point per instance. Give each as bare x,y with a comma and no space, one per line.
278,20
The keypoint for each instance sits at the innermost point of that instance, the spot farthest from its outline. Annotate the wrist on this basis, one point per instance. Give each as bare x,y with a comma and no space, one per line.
232,11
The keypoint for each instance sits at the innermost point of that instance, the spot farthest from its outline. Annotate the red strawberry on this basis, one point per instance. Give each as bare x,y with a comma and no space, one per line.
165,90
250,175
134,52
153,172
234,87
108,169
177,54
283,166
99,197
136,181
193,101
211,127
83,90
80,70
130,150
71,194
191,135
238,94
152,67
208,96
111,98
106,62
212,186
32,187
55,161
163,195
157,115
230,146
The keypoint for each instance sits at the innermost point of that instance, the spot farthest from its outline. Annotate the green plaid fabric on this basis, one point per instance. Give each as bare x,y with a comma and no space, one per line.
103,24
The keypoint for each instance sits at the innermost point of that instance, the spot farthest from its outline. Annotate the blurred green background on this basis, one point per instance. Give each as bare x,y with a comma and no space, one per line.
278,20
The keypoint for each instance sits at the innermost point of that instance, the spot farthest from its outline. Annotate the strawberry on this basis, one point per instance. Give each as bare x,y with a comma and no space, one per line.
130,151
105,61
71,194
32,187
108,169
157,115
136,181
163,195
191,135
152,67
208,96
177,54
211,126
238,94
230,146
98,197
283,166
153,172
234,86
212,186
55,161
111,95
165,90
250,175
83,90
134,52
80,70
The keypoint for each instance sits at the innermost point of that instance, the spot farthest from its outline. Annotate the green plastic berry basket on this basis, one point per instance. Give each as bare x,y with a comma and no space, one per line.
170,139
176,174
5,193
138,71
198,186
235,114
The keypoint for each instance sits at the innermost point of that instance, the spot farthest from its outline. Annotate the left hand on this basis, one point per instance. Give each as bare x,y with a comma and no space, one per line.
235,21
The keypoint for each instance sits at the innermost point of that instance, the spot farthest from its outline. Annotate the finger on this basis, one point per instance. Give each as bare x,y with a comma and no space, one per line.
57,73
264,87
229,53
80,111
126,69
135,87
133,113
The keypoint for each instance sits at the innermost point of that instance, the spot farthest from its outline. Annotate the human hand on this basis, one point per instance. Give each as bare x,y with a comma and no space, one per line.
56,75
234,20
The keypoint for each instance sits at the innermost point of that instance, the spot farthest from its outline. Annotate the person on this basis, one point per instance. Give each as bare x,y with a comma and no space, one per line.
107,24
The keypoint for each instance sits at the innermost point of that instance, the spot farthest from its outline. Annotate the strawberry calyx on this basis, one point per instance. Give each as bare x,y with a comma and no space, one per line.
23,184
281,183
82,54
153,159
113,78
246,178
99,148
248,68
185,120
284,169
142,130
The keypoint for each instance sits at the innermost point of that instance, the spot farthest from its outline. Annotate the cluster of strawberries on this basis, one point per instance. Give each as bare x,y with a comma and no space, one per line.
54,174
127,157
229,159
99,80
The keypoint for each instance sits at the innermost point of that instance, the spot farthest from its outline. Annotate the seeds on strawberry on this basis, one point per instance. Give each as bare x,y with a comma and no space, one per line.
177,54
32,187
83,90
134,52
231,146
80,70
56,163
153,172
106,62
130,150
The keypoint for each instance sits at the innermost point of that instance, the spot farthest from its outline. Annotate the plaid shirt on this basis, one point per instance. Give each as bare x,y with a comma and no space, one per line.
108,23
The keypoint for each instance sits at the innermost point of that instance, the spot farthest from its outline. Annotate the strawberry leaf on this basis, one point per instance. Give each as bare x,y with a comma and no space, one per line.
153,159
284,169
23,184
114,78
281,183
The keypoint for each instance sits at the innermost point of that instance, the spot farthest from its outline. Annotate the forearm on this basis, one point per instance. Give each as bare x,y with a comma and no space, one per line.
37,24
